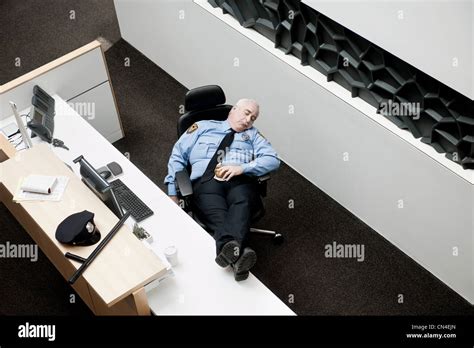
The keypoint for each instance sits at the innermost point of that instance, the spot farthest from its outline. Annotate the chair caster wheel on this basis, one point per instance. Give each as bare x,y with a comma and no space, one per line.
278,239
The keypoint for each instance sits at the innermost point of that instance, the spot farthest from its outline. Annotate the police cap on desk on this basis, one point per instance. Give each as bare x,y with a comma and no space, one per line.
78,229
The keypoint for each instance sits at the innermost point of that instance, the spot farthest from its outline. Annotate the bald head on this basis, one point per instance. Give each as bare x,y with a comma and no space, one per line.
248,102
243,114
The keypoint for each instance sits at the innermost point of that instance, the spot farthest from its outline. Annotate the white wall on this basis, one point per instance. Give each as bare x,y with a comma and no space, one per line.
429,35
382,168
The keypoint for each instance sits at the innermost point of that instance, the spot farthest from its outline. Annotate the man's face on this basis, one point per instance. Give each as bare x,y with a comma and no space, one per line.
242,117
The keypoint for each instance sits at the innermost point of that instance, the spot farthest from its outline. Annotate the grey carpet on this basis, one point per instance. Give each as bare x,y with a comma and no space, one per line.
296,271
39,31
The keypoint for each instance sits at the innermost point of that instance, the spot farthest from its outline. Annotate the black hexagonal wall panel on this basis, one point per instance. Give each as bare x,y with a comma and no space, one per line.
411,99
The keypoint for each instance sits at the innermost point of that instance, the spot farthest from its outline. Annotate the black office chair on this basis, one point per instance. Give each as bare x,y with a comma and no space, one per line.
208,103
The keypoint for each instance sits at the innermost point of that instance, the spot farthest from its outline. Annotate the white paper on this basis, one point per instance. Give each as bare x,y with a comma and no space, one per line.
39,184
55,195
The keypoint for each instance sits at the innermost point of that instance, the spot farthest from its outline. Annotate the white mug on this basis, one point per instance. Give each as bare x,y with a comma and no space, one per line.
171,253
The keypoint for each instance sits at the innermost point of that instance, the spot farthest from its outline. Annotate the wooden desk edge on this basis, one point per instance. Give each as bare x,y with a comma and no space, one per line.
7,150
132,301
137,288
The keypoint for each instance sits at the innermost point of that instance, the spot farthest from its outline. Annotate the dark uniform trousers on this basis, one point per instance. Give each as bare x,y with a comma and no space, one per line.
226,207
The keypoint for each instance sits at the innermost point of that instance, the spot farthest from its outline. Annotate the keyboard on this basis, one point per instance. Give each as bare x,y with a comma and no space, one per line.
129,201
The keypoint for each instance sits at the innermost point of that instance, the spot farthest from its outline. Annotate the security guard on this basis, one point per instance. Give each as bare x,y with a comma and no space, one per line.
224,156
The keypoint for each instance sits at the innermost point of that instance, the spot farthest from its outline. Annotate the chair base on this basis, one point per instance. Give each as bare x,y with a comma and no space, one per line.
277,237
259,230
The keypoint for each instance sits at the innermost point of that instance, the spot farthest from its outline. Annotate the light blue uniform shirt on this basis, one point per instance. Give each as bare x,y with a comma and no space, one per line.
249,149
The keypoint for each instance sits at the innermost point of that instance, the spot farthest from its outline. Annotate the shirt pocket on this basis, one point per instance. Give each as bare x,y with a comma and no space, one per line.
211,149
200,151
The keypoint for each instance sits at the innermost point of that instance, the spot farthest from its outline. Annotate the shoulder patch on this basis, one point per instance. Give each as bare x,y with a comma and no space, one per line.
192,128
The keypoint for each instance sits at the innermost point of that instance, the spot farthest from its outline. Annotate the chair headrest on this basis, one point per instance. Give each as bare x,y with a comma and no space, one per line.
204,97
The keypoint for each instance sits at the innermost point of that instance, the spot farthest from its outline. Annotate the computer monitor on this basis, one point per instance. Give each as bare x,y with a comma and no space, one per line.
24,134
99,186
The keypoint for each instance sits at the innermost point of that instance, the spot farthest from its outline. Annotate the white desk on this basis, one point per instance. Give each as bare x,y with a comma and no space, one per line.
199,286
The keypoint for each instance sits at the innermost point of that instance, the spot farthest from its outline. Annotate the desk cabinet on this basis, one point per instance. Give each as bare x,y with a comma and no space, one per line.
97,106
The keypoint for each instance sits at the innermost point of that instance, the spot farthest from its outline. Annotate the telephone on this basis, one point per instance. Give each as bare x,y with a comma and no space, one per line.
41,124
41,131
42,115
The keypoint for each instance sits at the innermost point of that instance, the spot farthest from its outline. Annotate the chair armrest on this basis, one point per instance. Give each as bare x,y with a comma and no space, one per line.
183,183
262,184
263,178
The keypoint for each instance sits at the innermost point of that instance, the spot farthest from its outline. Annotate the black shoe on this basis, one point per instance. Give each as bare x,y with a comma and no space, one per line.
229,254
244,264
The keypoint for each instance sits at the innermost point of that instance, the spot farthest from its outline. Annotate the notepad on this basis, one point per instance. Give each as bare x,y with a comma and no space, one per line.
55,195
39,184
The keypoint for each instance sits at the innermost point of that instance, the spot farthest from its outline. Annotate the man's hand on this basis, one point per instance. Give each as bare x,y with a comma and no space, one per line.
228,172
174,199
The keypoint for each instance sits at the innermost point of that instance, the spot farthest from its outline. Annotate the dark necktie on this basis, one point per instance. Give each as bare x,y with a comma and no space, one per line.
209,172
